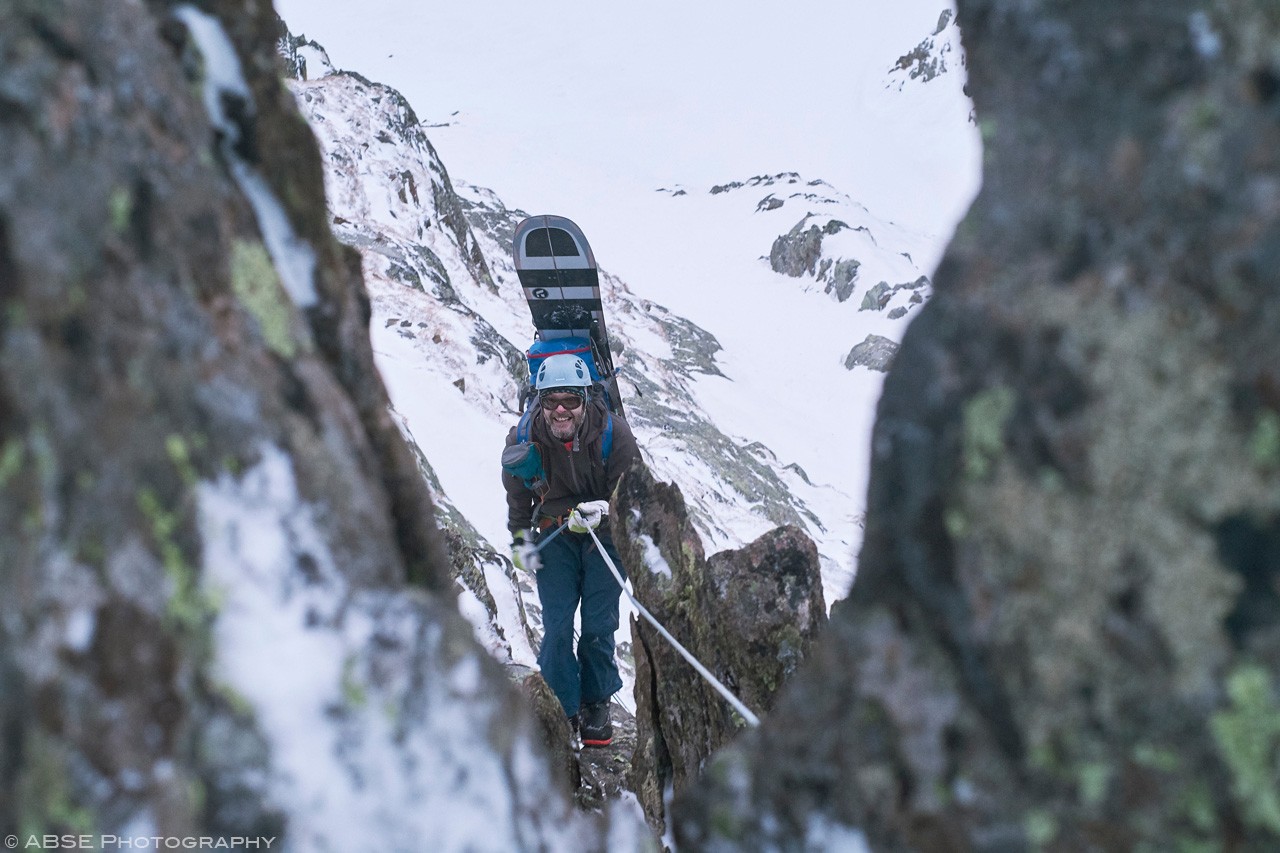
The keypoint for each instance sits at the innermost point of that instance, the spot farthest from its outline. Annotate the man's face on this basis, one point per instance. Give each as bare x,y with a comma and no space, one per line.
564,411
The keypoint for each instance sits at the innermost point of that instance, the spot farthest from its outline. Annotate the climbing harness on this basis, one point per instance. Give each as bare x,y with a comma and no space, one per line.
554,534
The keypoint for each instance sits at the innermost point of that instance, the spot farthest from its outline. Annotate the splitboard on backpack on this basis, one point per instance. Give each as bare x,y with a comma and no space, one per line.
561,282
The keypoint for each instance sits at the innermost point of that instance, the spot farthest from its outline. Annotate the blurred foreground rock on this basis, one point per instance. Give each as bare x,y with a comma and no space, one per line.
1065,631
208,520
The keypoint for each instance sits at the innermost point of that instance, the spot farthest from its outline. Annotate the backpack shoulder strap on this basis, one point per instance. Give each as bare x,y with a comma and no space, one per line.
607,443
523,428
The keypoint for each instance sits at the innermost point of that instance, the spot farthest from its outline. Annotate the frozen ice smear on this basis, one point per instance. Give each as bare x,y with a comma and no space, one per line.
294,259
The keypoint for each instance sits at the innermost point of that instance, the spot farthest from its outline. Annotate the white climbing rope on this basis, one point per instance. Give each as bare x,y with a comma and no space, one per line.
752,719
547,540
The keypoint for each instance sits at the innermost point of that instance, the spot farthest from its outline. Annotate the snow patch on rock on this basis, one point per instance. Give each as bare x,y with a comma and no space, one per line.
653,558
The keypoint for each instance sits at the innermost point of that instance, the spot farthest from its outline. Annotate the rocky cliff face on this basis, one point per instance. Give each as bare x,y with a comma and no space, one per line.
748,615
1065,633
825,248
207,515
933,56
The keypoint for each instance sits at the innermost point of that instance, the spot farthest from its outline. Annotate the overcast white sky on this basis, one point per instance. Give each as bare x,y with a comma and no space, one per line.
561,102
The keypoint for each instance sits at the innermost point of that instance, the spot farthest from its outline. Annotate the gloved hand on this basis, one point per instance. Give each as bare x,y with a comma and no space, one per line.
586,516
523,552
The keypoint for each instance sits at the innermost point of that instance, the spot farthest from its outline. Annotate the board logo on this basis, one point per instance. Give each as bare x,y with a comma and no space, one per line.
540,293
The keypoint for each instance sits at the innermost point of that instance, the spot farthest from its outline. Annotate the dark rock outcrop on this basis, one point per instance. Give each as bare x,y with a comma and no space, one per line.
874,353
930,58
606,771
749,616
841,277
797,252
879,296
1065,632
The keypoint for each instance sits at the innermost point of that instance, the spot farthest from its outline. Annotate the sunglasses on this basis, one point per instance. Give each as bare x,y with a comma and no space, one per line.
571,402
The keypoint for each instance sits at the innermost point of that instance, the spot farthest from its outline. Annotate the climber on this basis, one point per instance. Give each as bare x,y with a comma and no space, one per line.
584,451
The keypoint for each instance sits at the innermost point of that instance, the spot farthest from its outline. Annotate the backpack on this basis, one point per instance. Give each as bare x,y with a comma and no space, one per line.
583,348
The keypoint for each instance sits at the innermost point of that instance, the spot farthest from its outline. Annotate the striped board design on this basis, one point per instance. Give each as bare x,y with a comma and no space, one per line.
558,272
561,282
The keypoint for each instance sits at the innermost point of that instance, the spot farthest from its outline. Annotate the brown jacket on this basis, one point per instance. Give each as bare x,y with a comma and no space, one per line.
572,476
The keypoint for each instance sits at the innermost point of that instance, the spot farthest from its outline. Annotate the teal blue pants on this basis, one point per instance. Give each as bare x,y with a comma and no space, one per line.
573,573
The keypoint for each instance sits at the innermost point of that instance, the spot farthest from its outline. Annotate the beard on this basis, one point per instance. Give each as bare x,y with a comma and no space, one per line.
563,430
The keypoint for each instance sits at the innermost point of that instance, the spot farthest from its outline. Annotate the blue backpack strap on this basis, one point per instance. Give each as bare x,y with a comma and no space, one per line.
522,428
607,444
538,483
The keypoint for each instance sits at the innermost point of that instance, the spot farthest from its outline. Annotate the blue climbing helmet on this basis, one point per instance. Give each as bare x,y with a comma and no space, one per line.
563,370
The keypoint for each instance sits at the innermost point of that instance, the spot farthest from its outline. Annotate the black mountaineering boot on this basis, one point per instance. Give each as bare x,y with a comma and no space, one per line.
597,728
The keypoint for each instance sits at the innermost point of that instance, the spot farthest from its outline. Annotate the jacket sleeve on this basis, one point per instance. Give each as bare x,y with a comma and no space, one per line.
520,499
622,455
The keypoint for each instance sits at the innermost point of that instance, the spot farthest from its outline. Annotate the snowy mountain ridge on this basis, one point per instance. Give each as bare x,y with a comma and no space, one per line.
450,324
933,56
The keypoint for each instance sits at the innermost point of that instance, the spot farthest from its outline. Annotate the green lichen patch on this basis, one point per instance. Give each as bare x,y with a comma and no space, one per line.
957,523
1248,737
354,693
189,608
1156,757
46,802
256,283
1041,827
179,451
120,209
12,455
236,701
1197,804
1264,444
985,416
1094,779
